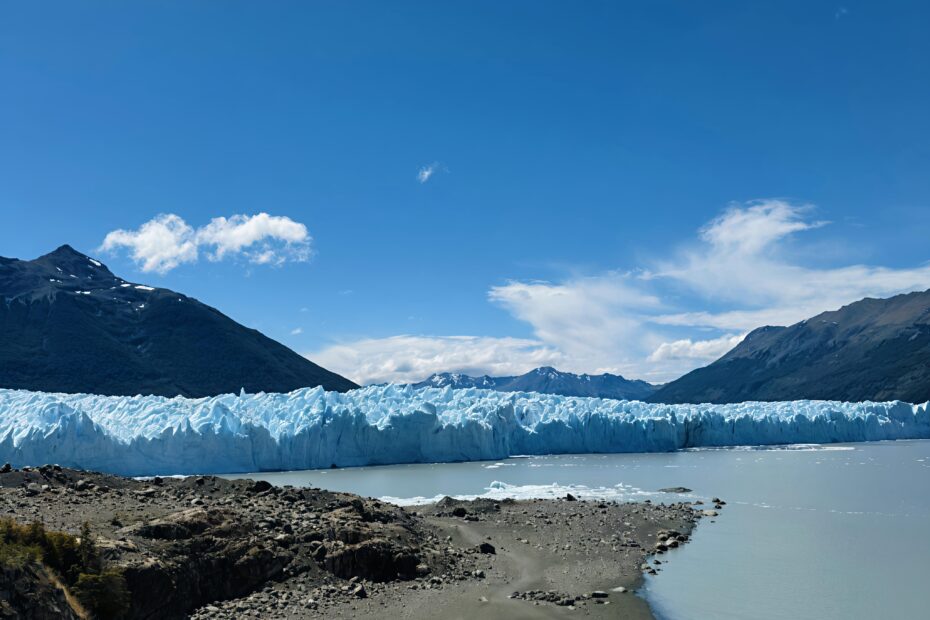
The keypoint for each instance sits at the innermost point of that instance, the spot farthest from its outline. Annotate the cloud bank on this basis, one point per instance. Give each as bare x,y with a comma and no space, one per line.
656,322
167,241
405,359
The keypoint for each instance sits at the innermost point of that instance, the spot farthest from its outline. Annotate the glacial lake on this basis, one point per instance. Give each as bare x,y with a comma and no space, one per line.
809,532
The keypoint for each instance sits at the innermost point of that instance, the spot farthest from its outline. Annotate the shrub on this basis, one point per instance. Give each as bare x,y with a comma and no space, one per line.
101,591
17,544
14,554
104,594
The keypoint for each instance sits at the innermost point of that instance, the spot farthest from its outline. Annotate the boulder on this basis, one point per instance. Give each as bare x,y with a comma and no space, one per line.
260,486
375,560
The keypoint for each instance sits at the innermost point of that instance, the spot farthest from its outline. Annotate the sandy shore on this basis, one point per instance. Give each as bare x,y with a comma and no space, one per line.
212,548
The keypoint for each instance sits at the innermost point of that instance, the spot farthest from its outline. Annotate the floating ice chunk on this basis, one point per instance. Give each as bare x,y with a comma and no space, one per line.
501,490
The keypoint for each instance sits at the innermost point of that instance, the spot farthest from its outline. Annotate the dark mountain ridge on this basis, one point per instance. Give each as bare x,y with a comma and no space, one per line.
873,349
68,324
547,380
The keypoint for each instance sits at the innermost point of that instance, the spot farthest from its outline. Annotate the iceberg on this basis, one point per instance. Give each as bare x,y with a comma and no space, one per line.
380,425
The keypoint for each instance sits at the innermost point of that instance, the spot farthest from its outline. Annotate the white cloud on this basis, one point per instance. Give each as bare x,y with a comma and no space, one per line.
426,172
750,230
242,233
297,331
743,264
595,321
741,275
667,317
159,245
405,359
699,350
167,241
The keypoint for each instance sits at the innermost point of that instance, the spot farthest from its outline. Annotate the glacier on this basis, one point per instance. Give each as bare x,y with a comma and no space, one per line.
379,425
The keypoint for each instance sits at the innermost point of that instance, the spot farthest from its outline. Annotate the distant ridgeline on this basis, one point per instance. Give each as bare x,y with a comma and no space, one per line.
67,324
549,381
873,349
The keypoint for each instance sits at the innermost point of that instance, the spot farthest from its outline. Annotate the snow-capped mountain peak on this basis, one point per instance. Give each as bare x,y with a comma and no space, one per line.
548,380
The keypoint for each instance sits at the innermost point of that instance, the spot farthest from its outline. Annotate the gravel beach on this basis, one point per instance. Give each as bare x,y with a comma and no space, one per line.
205,547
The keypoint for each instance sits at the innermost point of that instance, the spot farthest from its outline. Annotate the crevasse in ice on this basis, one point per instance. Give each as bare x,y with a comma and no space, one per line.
312,428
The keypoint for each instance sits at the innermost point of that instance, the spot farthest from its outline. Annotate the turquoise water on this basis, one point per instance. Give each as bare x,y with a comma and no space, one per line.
820,532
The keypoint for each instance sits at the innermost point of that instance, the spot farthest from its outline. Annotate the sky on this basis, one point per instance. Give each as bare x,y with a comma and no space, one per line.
396,189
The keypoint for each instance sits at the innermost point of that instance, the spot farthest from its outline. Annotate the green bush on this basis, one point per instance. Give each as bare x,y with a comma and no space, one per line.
77,561
18,544
105,594
60,553
14,554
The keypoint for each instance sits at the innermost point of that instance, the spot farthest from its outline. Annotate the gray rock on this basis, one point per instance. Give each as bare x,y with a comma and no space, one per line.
487,547
261,486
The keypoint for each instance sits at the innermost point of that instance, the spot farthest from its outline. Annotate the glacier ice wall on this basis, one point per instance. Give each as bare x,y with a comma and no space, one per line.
311,428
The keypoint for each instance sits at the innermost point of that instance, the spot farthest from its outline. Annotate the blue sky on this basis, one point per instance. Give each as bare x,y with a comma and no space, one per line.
623,187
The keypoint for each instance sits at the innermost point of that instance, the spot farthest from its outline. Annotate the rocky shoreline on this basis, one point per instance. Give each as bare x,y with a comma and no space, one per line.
206,547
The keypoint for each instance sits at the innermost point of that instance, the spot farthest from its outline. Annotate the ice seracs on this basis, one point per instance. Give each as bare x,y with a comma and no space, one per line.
312,428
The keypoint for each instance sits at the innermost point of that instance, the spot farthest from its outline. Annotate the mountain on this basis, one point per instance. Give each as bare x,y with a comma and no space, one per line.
873,349
548,380
67,324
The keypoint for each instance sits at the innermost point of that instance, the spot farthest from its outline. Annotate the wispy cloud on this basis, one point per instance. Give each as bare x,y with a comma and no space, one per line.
297,331
595,319
167,241
666,317
425,173
737,278
744,266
